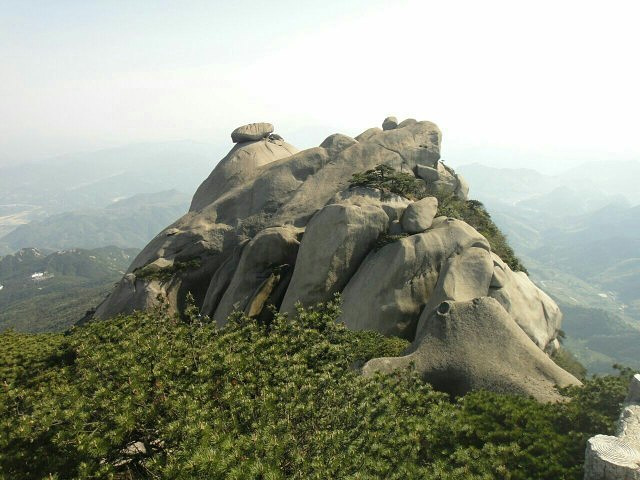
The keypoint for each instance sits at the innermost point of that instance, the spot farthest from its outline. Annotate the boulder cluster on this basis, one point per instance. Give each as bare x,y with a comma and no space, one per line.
274,226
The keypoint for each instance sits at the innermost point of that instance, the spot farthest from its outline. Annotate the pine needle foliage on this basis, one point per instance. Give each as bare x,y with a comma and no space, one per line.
151,395
389,181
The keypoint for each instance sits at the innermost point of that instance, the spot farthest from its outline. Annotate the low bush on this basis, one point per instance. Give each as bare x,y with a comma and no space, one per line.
153,396
164,274
390,181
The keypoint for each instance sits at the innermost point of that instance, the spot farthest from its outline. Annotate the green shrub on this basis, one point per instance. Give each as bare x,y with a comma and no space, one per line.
164,274
390,181
566,360
254,401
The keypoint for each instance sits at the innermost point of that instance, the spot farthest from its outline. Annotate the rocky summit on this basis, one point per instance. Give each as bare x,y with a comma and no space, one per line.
274,226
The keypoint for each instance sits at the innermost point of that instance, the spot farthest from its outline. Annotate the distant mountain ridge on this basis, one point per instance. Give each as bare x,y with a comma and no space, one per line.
580,238
49,291
129,222
93,180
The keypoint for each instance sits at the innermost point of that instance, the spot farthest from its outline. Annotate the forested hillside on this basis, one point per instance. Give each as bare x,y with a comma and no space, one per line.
48,292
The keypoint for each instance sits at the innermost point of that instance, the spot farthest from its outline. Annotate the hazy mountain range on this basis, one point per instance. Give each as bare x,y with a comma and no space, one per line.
65,199
129,222
579,235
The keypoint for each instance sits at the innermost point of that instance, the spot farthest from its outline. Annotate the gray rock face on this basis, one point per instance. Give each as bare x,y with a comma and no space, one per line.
476,345
251,132
337,142
406,272
419,215
441,179
336,240
532,309
271,249
390,123
240,165
241,246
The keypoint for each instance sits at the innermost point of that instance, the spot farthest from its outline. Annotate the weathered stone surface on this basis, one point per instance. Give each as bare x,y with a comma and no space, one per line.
220,280
336,240
393,205
337,142
611,458
462,189
532,309
270,292
368,134
428,174
390,123
406,272
465,275
270,249
251,132
476,345
130,294
239,166
407,122
419,215
629,424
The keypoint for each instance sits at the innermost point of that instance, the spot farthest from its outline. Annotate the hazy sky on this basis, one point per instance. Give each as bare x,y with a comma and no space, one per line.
509,83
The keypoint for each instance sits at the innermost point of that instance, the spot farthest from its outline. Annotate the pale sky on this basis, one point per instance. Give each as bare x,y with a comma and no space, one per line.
545,83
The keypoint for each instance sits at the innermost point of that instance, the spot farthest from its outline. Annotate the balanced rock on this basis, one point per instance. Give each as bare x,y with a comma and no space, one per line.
390,123
251,132
419,215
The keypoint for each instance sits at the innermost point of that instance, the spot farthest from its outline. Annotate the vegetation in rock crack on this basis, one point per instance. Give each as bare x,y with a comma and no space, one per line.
164,274
390,181
153,396
386,238
474,213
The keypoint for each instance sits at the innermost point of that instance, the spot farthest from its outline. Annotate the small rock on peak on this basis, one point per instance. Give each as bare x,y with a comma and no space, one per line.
251,132
390,123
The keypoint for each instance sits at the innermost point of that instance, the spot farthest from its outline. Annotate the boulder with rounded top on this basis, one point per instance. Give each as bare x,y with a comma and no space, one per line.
251,132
